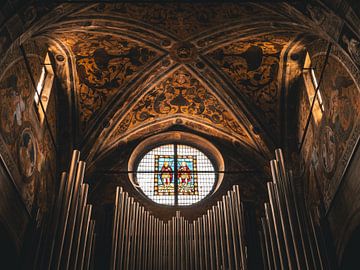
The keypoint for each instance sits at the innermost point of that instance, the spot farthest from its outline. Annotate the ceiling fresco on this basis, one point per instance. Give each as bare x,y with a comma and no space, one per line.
180,94
104,65
140,64
253,66
182,20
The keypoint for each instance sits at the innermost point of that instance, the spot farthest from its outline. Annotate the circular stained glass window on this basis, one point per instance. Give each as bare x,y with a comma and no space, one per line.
175,174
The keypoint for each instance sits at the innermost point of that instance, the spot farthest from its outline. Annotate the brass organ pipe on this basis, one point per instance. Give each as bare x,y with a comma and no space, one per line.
134,238
139,254
177,245
84,236
78,226
155,256
73,213
92,258
263,251
227,233
191,246
57,216
156,239
235,209
166,245
216,239
187,245
267,245
239,220
122,217
115,234
151,242
272,235
211,239
168,235
231,207
277,226
285,218
159,242
135,254
131,236
206,243
128,233
284,183
319,262
146,241
221,234
308,252
196,246
181,244
162,254
173,250
89,242
65,211
201,244
123,231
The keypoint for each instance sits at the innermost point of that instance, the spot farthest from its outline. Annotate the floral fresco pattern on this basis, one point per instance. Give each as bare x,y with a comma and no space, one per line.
104,64
180,94
253,65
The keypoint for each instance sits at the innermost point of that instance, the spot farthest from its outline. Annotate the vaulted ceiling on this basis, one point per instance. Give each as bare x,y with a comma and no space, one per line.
217,68
222,70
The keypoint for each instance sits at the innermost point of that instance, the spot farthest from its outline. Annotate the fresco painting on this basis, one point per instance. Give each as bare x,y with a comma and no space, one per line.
27,152
20,128
329,141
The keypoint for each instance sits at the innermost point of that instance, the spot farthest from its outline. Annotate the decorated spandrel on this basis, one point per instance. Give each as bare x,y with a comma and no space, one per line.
164,175
187,175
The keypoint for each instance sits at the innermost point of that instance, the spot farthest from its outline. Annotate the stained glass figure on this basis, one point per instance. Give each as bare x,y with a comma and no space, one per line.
164,175
193,173
187,175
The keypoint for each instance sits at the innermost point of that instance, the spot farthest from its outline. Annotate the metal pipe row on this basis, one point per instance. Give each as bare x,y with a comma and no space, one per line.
71,238
213,241
287,239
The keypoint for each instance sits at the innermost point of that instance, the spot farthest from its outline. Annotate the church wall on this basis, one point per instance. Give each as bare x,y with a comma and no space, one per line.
329,144
344,215
26,147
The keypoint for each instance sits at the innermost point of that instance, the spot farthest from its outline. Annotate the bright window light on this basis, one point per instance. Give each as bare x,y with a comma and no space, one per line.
175,173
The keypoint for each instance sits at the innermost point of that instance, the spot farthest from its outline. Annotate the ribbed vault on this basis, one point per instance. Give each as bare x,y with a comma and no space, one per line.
220,70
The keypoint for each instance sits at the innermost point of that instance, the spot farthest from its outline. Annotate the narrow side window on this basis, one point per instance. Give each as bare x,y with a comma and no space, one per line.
43,89
311,84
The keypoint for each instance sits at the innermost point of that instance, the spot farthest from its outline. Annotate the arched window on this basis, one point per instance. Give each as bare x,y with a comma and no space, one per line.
175,174
311,84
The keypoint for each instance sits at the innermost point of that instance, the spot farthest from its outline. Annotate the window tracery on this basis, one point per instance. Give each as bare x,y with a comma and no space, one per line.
175,174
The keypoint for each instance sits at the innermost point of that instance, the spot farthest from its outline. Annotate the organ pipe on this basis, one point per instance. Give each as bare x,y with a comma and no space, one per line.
287,232
215,240
143,241
71,237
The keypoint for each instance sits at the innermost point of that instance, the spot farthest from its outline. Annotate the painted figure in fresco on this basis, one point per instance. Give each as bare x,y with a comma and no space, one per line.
341,109
353,47
19,106
184,174
166,174
328,149
27,154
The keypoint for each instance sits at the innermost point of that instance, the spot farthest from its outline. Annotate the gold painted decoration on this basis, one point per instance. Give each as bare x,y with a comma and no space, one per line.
183,19
27,152
253,66
328,145
104,64
180,94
